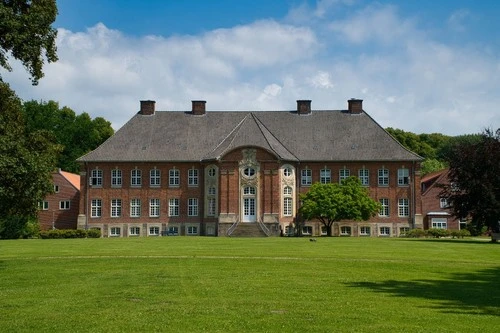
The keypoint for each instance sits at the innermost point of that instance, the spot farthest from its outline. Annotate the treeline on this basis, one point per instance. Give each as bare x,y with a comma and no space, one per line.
435,148
76,135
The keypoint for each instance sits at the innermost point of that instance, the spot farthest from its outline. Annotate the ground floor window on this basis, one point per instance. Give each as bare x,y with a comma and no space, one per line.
173,230
154,231
307,230
191,230
115,232
289,230
324,232
364,231
345,231
403,231
439,223
135,231
385,231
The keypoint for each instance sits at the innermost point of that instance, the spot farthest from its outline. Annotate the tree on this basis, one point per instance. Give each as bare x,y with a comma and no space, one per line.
335,202
77,134
26,162
26,33
474,180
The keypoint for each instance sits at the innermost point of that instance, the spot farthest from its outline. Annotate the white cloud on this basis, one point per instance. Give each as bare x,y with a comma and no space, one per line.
407,79
458,18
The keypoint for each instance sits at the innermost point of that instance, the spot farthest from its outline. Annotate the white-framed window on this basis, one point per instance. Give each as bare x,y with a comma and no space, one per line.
306,177
154,231
383,177
115,231
193,177
192,207
403,177
116,207
287,201
364,176
344,174
287,172
136,177
365,231
154,177
191,230
324,232
212,190
249,172
325,176
134,231
249,190
64,205
96,177
116,178
95,208
154,207
384,231
173,178
212,202
403,207
307,230
443,203
384,207
345,231
135,207
173,230
56,188
403,231
43,205
212,172
439,223
173,207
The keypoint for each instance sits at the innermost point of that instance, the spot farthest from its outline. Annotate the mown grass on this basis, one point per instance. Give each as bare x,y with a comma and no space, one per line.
201,284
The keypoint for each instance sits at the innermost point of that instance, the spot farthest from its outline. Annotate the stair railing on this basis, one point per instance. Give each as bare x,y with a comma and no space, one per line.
263,227
233,227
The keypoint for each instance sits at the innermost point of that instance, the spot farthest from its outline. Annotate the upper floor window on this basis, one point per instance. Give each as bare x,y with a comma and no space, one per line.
154,177
43,205
212,190
325,176
173,207
287,201
249,172
212,206
306,177
211,172
249,190
96,177
383,177
192,207
344,174
154,207
443,203
403,207
64,205
287,172
116,207
56,188
193,177
96,208
116,178
173,178
364,177
135,177
403,177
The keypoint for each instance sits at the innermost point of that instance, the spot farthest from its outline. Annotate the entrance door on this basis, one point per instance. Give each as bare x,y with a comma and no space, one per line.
249,210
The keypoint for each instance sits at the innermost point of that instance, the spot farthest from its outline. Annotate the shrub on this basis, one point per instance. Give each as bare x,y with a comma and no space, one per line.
94,233
70,233
438,233
416,233
14,227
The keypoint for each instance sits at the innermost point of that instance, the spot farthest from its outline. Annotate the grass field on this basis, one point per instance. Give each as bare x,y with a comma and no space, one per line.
202,284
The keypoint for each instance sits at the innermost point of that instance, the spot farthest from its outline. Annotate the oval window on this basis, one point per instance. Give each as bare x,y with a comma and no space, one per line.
249,172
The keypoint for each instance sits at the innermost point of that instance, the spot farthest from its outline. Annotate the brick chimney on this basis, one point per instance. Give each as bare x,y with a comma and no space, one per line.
355,106
198,108
147,108
304,106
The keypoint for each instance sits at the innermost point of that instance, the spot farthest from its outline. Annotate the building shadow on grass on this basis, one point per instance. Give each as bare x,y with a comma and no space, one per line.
461,293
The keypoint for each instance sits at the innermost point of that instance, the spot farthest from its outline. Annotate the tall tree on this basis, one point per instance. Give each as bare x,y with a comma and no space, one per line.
78,134
26,33
330,203
474,189
26,162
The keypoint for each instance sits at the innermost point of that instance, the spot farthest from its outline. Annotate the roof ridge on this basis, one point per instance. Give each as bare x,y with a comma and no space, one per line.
235,130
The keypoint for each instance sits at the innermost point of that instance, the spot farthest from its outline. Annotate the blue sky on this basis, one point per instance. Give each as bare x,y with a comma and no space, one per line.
421,66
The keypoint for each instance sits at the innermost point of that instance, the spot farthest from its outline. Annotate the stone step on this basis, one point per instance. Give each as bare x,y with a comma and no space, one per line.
248,230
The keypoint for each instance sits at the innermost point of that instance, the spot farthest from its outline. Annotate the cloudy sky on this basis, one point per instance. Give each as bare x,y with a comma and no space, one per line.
421,66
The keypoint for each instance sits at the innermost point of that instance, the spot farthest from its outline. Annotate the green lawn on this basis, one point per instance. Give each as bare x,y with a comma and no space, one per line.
203,284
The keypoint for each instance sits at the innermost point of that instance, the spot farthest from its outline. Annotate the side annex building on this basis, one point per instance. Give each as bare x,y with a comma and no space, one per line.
229,173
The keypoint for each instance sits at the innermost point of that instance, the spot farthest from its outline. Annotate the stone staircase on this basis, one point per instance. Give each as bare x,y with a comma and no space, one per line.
248,230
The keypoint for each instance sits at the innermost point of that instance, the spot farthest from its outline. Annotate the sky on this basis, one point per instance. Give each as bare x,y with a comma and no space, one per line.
420,66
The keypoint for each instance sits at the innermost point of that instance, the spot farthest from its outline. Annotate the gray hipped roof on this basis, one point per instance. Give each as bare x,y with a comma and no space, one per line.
318,136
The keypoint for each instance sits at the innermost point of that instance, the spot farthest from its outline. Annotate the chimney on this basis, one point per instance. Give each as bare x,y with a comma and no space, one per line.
147,108
304,106
198,108
355,106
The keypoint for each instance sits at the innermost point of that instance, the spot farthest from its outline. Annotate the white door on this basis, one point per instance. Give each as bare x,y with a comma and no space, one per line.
249,210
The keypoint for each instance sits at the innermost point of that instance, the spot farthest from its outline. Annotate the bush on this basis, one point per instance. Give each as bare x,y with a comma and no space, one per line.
70,233
14,227
416,233
94,233
438,233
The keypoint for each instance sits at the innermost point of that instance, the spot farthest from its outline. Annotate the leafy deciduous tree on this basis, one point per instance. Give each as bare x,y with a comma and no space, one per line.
474,189
26,33
335,202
